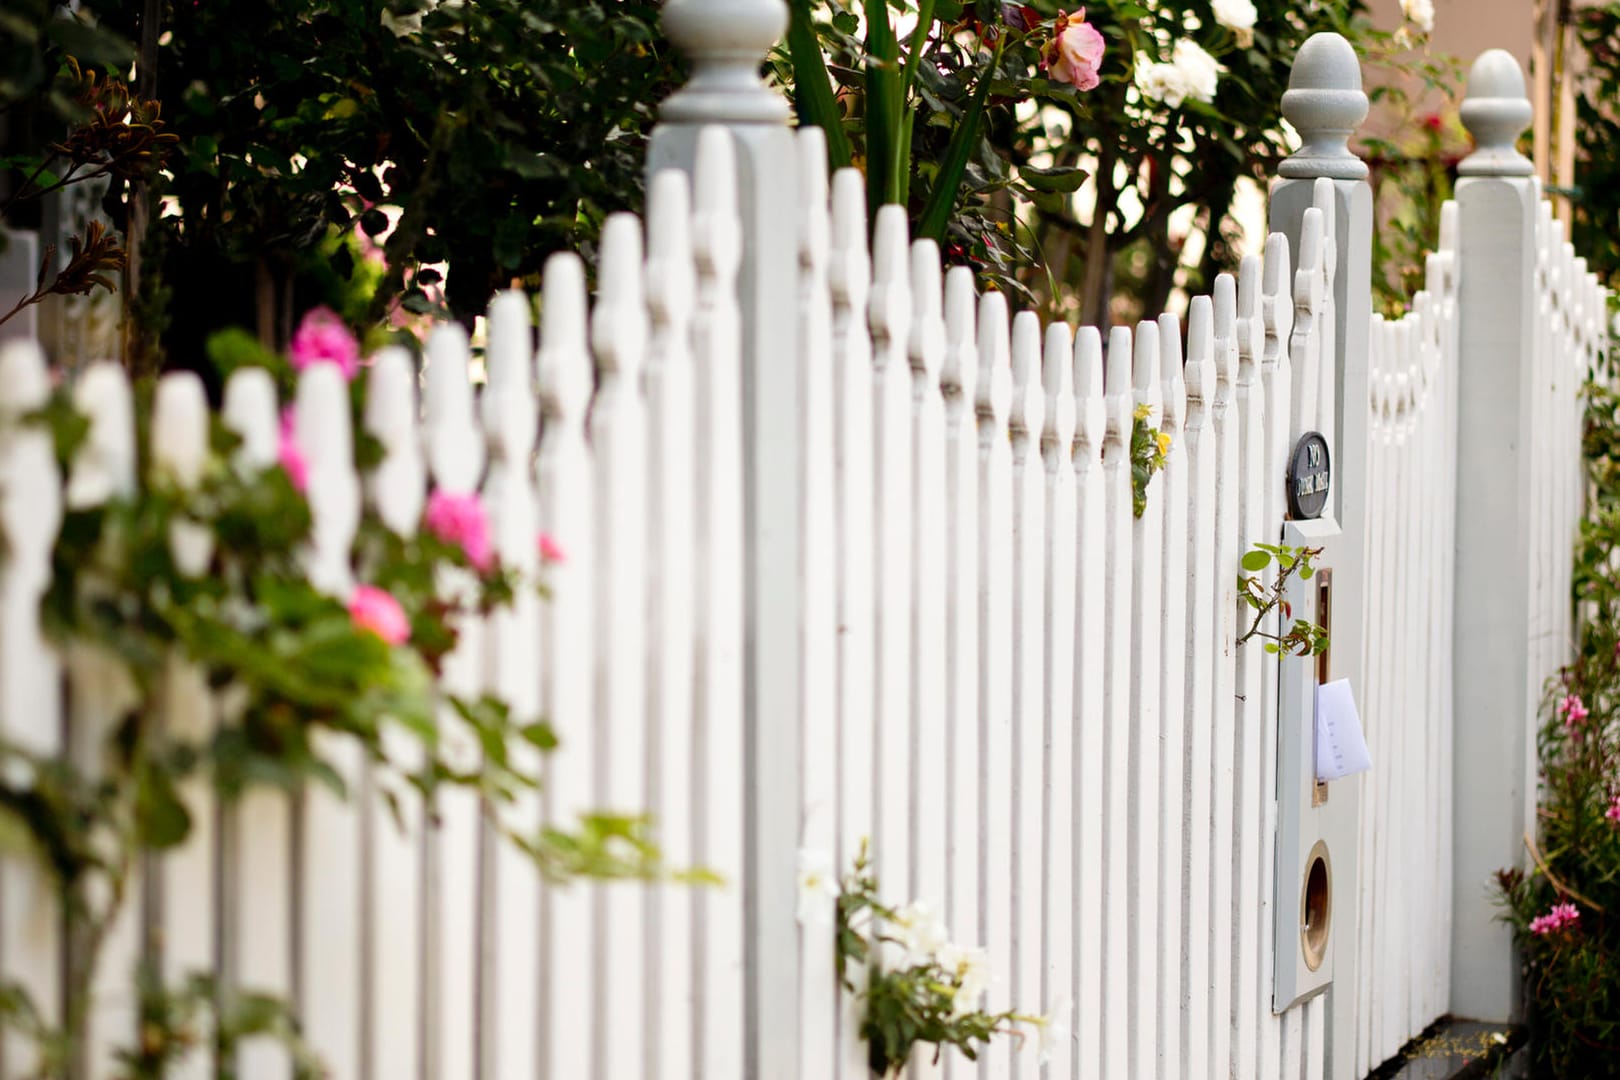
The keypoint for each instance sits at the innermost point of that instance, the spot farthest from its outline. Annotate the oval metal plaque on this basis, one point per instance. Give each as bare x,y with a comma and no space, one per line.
1309,473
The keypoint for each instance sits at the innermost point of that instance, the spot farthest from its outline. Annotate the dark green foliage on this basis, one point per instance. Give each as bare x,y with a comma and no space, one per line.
1596,200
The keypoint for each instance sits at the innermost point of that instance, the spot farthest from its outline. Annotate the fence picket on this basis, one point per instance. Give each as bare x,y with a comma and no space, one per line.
1172,676
959,384
670,529
618,432
1118,708
1058,988
567,645
186,915
996,659
1090,753
395,831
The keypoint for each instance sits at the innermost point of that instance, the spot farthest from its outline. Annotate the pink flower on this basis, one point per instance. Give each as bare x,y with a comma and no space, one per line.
460,520
376,610
1574,710
322,338
289,455
1613,812
1557,917
1075,53
550,550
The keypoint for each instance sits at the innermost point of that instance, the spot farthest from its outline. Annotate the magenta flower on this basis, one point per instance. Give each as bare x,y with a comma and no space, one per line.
550,550
322,338
1613,812
460,520
1557,918
1075,53
376,610
289,455
1574,710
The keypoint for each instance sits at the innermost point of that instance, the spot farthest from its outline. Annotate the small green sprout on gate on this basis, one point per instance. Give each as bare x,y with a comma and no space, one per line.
1303,638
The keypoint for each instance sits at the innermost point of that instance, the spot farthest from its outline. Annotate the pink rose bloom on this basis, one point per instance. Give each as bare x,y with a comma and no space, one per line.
1574,710
1557,917
322,338
550,550
1075,53
289,454
1613,812
376,610
460,520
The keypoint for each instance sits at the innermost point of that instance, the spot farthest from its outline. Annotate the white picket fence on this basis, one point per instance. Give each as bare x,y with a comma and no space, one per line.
1028,699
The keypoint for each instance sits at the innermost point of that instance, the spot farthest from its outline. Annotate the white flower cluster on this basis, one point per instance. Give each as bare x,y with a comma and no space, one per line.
1239,17
1191,73
1419,13
921,939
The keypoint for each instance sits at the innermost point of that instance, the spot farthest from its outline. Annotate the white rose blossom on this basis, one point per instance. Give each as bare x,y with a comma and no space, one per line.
1191,73
1239,17
1420,13
818,889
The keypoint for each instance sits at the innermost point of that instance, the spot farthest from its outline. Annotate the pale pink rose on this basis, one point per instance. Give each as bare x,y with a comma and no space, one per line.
321,337
1613,812
376,610
550,550
1076,51
1574,710
289,455
460,520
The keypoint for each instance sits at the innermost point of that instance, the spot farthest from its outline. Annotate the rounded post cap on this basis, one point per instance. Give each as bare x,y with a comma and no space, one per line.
726,40
1496,111
1324,101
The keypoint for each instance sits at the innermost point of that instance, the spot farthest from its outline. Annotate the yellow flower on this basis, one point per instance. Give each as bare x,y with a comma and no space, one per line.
1164,443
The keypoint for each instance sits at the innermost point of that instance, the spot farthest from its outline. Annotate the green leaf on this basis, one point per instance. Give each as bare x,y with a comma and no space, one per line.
813,86
1063,178
941,203
1256,560
883,107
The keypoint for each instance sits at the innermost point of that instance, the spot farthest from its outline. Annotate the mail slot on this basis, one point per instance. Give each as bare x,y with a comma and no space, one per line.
1315,826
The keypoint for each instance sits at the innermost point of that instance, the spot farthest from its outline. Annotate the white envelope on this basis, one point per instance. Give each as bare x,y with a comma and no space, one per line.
1341,750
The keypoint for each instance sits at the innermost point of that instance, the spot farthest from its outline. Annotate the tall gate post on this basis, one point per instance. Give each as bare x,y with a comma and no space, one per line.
1496,689
726,41
1325,103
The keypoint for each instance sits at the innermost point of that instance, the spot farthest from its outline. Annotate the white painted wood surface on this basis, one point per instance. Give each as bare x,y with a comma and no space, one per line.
1027,698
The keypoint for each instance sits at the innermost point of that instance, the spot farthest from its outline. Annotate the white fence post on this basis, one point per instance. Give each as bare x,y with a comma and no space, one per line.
1325,103
1496,687
726,39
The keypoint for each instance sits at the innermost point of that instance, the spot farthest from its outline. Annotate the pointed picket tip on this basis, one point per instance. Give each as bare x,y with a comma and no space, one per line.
1322,197
454,450
1226,329
1251,332
1028,404
510,353
1172,386
1308,280
25,381
565,363
1199,372
994,397
619,320
1277,266
390,413
1145,365
180,425
1088,387
959,374
927,338
810,146
715,171
104,466
398,485
1117,371
669,215
717,240
1448,225
889,307
1057,377
848,210
323,420
250,412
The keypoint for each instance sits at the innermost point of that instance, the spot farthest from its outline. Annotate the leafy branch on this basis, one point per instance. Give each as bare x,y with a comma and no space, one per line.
1303,638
